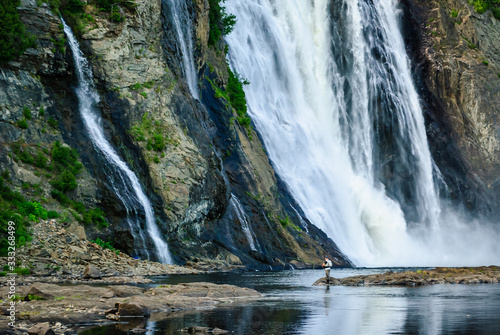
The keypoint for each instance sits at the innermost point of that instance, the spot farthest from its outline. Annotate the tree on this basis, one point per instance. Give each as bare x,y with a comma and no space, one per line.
14,39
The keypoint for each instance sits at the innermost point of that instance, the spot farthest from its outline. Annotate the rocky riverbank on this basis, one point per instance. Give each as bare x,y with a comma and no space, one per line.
61,307
61,255
477,275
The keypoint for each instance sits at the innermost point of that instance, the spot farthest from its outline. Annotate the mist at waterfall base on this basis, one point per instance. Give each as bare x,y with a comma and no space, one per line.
124,182
332,97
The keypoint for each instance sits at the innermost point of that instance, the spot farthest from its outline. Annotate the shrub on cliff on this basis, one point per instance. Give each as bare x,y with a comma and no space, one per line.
482,6
220,22
14,39
14,208
65,182
237,98
66,157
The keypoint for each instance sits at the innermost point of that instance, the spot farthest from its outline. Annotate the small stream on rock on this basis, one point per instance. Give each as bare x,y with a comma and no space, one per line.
123,181
292,306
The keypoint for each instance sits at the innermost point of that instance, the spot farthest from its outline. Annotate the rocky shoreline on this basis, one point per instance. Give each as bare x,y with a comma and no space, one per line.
104,284
59,308
60,255
440,275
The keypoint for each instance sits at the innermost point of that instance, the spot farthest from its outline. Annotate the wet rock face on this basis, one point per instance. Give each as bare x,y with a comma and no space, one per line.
206,157
457,63
40,82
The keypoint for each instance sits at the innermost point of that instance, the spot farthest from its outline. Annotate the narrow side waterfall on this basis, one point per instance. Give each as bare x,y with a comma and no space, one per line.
183,28
125,183
332,96
245,226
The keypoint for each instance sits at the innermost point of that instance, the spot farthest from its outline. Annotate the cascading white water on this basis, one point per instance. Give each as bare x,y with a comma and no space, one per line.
183,27
124,181
245,226
332,96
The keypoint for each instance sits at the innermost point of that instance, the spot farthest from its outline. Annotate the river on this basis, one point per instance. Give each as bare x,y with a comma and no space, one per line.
291,305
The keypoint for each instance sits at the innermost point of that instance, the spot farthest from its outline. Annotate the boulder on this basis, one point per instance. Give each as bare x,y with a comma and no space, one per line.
132,309
77,230
203,330
91,272
35,294
41,329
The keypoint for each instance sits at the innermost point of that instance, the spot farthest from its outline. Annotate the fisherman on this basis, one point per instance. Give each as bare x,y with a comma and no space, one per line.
327,264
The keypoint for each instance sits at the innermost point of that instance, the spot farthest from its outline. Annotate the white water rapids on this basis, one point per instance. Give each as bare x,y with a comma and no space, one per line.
332,96
125,183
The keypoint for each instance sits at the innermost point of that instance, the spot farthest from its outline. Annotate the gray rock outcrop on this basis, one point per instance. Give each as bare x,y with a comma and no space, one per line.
91,272
456,55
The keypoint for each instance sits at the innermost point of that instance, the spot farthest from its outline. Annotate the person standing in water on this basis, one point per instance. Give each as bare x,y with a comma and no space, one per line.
327,265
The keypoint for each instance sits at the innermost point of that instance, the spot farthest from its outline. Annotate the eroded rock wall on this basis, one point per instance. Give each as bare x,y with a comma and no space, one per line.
457,56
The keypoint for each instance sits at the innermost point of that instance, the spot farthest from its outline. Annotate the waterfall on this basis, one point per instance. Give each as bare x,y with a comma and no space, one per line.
332,96
124,182
183,28
245,226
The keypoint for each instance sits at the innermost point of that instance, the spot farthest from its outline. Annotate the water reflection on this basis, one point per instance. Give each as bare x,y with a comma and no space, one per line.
292,306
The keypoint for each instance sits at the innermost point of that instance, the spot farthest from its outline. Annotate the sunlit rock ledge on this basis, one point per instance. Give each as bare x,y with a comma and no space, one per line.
464,275
65,306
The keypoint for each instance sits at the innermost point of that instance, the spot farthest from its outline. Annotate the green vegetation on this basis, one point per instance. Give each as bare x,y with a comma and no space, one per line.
157,142
485,62
14,39
106,245
287,223
16,298
148,84
53,123
27,113
136,86
66,181
76,12
235,95
40,160
237,99
482,6
66,166
60,43
34,297
469,43
15,208
221,23
454,13
153,133
65,158
23,124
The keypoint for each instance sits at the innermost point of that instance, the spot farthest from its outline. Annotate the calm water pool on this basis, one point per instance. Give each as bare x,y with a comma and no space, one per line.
292,306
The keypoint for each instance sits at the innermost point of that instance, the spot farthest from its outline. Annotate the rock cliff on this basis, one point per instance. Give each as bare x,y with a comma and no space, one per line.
456,53
213,189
